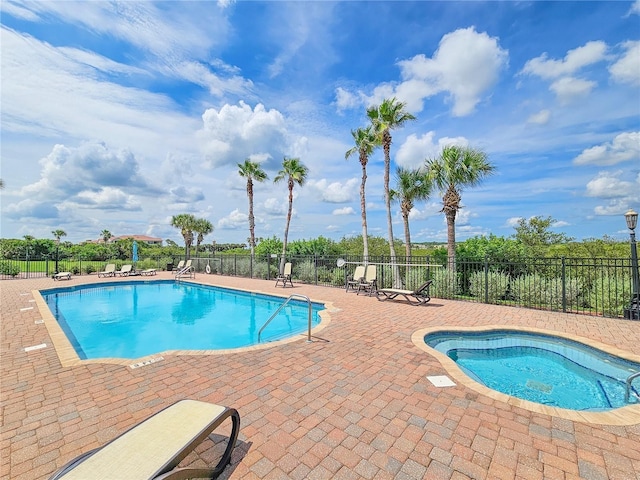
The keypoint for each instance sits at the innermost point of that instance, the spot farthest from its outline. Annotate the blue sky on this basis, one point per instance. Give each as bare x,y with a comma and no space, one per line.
119,115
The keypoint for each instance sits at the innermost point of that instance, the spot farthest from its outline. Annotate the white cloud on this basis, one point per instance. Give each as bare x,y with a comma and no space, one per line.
513,221
344,211
635,8
627,68
275,206
346,100
466,65
235,220
610,185
540,118
574,60
614,207
336,192
238,131
568,89
415,150
624,147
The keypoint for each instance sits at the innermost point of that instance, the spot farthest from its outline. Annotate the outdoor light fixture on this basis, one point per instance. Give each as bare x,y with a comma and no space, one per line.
632,312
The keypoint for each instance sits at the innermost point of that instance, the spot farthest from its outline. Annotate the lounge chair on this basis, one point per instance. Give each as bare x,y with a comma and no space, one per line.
285,276
109,270
125,270
358,276
149,271
369,283
178,267
62,276
153,448
419,296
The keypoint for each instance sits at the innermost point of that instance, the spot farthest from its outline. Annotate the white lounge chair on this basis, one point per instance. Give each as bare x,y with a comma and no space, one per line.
285,276
370,282
62,276
419,296
153,448
358,276
125,270
149,271
109,270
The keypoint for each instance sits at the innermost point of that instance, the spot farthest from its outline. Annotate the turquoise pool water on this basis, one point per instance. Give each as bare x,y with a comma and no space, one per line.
136,319
540,368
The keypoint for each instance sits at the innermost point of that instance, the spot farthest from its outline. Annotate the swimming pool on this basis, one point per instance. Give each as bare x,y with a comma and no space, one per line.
140,318
540,368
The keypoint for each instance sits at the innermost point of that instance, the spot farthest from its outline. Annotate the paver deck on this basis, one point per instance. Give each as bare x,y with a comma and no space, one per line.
355,403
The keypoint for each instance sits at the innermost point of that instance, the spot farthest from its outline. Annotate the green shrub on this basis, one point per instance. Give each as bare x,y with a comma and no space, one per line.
538,291
89,268
305,272
493,284
8,268
445,283
609,295
75,270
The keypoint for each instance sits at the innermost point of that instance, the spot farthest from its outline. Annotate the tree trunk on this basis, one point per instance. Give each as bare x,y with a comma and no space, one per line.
386,140
286,230
363,209
451,239
252,237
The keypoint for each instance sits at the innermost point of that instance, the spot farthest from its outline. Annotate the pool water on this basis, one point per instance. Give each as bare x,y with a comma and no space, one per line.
136,319
540,368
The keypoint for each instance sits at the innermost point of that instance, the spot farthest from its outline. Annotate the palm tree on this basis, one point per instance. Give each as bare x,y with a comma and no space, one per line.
251,171
58,234
202,227
391,114
455,168
411,185
366,142
106,235
295,172
186,223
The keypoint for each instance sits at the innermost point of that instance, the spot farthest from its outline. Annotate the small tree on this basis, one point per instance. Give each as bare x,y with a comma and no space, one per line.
186,223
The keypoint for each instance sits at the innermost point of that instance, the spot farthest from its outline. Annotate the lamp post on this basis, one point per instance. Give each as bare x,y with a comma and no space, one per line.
632,312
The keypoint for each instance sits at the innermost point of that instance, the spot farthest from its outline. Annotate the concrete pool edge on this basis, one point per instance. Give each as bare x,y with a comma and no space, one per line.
629,415
68,356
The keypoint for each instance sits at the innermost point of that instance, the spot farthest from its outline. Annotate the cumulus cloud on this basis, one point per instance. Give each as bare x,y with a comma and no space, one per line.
182,194
574,60
466,65
344,211
624,147
540,118
235,220
275,207
610,185
635,8
626,69
336,192
513,221
238,131
415,150
568,89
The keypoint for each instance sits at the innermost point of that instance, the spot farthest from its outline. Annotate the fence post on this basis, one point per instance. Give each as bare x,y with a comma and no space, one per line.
315,266
564,286
486,279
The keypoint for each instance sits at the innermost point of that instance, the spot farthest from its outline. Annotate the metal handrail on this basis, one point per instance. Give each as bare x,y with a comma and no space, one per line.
186,269
282,306
627,391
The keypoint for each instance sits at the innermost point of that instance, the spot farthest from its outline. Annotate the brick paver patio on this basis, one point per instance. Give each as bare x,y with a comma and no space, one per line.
352,404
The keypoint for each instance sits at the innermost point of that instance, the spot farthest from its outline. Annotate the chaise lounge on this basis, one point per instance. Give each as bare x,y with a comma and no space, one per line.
153,448
109,271
420,296
125,270
62,276
285,276
358,277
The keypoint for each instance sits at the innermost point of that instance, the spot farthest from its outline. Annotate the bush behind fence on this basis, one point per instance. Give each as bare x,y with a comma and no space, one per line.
590,286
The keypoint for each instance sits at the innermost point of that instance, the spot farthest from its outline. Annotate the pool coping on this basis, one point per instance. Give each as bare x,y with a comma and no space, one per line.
628,415
69,357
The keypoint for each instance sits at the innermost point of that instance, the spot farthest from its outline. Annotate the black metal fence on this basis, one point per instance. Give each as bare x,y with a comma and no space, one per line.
601,286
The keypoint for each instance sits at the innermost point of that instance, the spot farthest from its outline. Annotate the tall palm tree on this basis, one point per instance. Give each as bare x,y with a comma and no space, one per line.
202,227
455,168
411,185
389,115
366,142
106,235
186,223
251,171
58,234
294,171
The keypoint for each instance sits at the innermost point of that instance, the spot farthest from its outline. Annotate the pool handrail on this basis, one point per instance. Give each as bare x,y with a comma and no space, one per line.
282,306
627,391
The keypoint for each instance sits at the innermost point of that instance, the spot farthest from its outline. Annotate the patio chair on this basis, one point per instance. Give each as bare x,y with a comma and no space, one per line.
62,276
153,448
149,271
285,276
109,270
419,296
358,276
178,267
369,283
125,270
